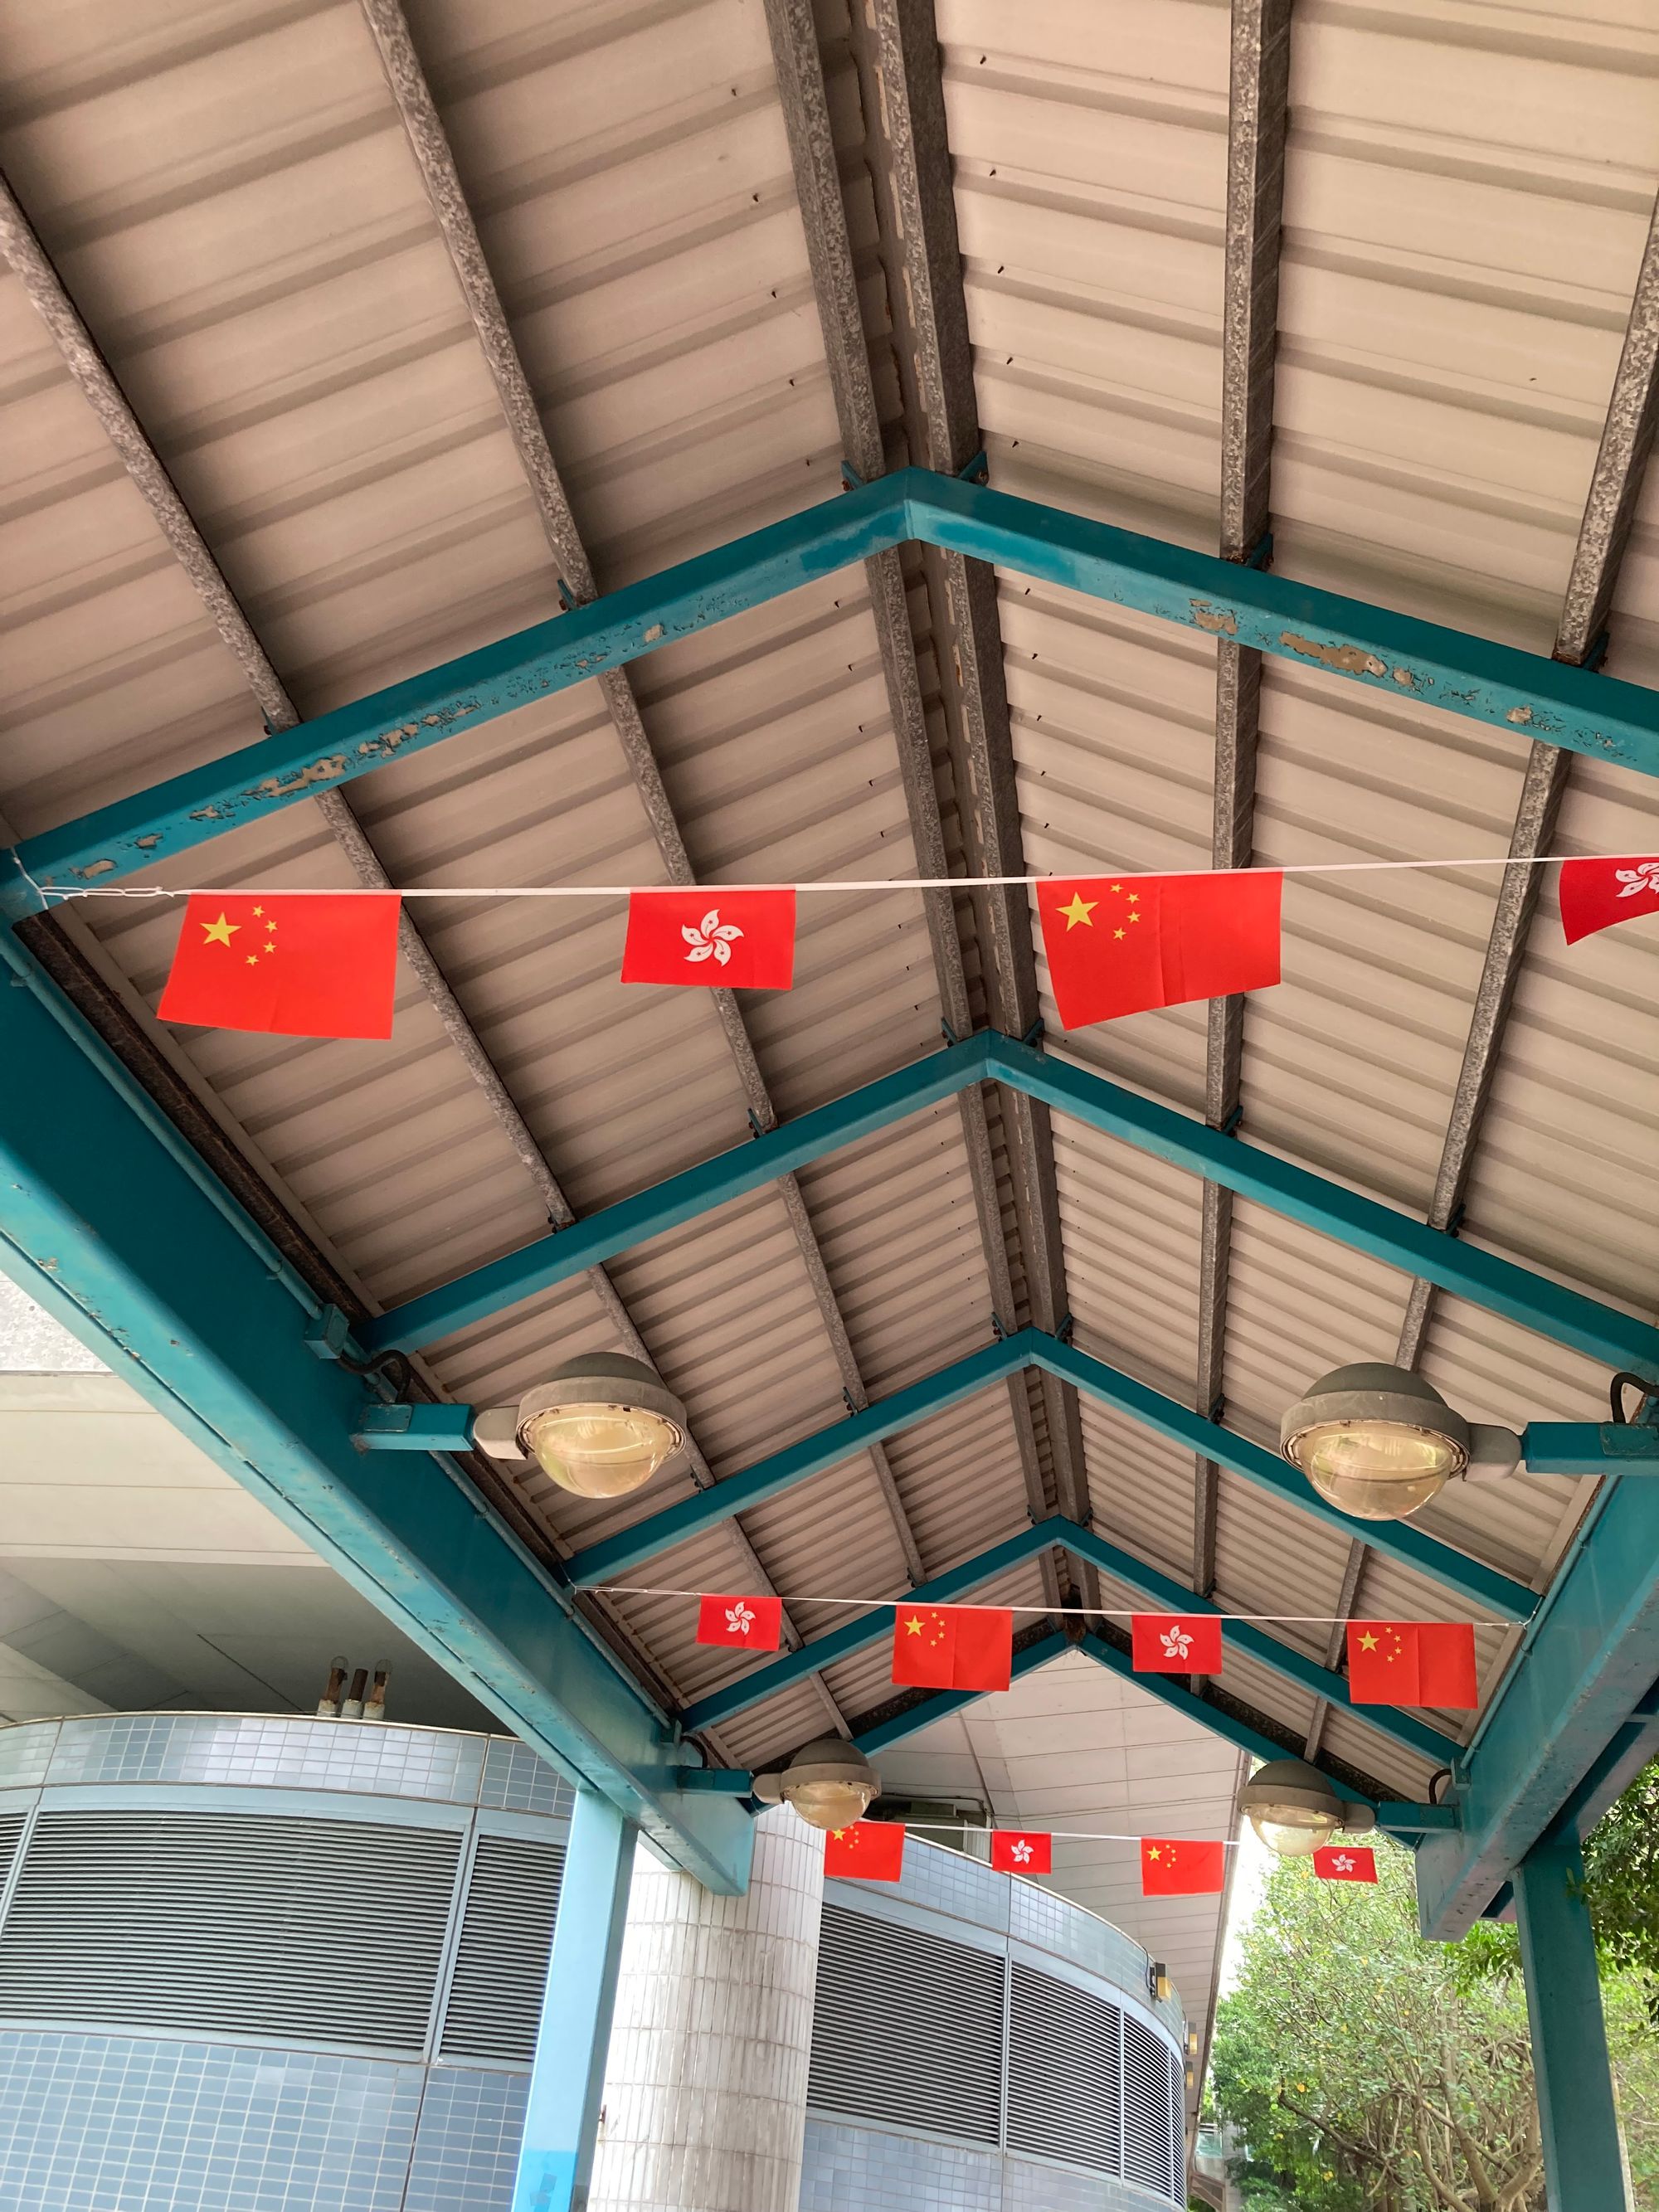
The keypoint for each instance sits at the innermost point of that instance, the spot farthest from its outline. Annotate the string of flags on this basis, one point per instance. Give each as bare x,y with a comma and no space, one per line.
960,1647
324,963
1170,1866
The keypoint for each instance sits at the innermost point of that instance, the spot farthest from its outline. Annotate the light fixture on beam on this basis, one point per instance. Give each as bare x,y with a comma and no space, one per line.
829,1781
600,1426
1378,1442
1294,1809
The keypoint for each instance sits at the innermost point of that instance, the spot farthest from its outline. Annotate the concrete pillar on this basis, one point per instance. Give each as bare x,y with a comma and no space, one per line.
705,2092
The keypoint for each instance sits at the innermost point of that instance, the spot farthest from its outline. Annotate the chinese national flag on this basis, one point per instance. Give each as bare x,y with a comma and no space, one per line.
1182,1869
316,963
737,941
1594,894
953,1647
1017,1851
1345,1863
1175,1644
750,1623
1120,945
869,1851
1412,1662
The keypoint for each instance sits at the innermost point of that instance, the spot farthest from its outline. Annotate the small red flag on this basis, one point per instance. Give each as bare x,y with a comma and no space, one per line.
1594,894
749,1623
1173,1869
953,1647
1176,1642
1412,1662
736,940
320,964
869,1851
1345,1863
1020,1850
1121,944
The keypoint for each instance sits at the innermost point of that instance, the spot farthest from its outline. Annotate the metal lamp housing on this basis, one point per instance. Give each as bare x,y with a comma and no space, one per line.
1378,1442
1294,1809
828,1783
600,1426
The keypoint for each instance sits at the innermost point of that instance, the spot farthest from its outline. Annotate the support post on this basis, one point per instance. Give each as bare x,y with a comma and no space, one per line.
1583,2169
561,2116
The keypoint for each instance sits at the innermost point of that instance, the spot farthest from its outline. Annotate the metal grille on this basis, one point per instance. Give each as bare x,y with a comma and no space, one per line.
500,1960
1148,2131
11,1833
323,1931
908,2029
1064,2071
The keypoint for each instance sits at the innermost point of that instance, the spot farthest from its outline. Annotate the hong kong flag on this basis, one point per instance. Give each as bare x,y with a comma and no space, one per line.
1412,1662
1121,944
1594,894
1175,1644
749,1623
316,963
1017,1850
1175,1868
869,1851
1345,1863
953,1647
736,940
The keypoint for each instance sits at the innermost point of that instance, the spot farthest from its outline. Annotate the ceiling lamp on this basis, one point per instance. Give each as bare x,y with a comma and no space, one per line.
1378,1442
830,1783
600,1426
1294,1809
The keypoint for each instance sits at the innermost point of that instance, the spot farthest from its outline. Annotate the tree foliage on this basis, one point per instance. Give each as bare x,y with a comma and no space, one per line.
1370,2072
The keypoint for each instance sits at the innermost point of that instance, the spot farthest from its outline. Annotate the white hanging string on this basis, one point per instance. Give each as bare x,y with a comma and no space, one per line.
1086,1611
863,885
1059,1835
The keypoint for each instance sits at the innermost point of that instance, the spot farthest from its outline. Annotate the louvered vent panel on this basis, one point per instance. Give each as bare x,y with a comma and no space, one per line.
1063,2072
1147,2133
12,1834
325,1931
1178,2119
500,1960
908,2028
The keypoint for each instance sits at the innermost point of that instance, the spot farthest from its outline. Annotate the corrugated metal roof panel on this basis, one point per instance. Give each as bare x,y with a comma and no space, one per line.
1132,1228
1141,1488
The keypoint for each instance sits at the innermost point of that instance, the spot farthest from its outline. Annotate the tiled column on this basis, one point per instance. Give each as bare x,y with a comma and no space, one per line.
705,2093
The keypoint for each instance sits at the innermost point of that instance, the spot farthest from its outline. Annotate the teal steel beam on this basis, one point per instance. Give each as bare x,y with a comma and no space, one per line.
1563,705
939,1705
567,2075
797,1462
1502,1286
1583,2169
598,1237
109,1219
1164,1593
1525,693
760,1683
1585,1663
1590,1447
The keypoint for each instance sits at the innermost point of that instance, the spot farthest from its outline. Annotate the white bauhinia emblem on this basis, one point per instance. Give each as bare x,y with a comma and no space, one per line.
1342,1863
1022,1851
1643,877
739,1618
712,938
1177,1642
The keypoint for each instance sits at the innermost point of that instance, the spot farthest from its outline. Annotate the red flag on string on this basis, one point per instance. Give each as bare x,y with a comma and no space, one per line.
953,1647
1594,894
320,965
748,1624
1021,1851
1121,944
1412,1662
1170,1868
736,940
1345,1863
1176,1642
869,1851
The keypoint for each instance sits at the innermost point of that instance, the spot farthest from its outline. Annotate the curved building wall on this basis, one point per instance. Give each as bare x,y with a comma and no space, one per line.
252,1965
983,2045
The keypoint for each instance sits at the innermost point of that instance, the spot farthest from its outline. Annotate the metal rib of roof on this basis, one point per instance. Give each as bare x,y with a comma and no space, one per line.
238,213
